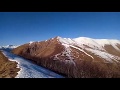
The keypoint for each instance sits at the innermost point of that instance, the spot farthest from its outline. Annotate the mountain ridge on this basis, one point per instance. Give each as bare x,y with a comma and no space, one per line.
75,57
9,46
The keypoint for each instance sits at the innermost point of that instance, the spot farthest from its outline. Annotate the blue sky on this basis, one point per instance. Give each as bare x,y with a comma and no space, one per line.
21,27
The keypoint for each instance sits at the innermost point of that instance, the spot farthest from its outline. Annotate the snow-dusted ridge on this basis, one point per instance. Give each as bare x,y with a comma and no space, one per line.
9,46
93,43
96,42
95,46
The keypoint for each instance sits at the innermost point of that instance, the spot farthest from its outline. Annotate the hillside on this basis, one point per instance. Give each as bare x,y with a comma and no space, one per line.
8,69
77,58
28,69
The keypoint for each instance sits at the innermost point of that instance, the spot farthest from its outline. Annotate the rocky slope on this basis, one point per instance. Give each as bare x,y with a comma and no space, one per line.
78,58
8,69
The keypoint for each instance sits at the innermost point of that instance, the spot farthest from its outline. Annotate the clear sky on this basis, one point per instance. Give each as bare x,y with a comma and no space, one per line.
21,27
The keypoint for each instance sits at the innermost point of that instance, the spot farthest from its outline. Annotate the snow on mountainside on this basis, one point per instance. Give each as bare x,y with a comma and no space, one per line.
8,47
95,46
99,43
93,43
77,57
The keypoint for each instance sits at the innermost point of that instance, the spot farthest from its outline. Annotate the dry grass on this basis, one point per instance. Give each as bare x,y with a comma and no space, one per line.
8,69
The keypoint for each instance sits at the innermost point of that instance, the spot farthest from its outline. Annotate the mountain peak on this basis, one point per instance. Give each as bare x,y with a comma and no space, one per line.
83,38
58,37
31,42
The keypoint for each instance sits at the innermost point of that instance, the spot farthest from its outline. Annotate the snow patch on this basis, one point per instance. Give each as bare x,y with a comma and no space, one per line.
104,55
82,51
104,42
66,40
31,42
97,44
68,54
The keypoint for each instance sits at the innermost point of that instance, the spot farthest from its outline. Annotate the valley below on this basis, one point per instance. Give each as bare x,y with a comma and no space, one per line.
27,69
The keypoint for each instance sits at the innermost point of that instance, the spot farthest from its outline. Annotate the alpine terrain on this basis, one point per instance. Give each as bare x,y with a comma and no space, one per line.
81,57
13,66
8,69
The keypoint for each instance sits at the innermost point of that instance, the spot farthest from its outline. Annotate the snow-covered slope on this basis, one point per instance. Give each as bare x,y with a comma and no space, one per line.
30,70
95,46
99,43
93,43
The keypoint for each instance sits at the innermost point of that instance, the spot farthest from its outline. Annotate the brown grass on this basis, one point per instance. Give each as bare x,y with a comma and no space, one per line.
111,50
8,69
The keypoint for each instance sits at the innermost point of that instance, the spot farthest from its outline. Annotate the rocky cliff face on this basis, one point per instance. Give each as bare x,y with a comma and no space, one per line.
78,58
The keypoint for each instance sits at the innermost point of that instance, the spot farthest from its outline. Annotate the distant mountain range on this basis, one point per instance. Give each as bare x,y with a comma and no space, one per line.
8,47
81,57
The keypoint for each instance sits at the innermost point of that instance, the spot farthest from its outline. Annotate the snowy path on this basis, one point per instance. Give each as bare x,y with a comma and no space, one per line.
30,70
